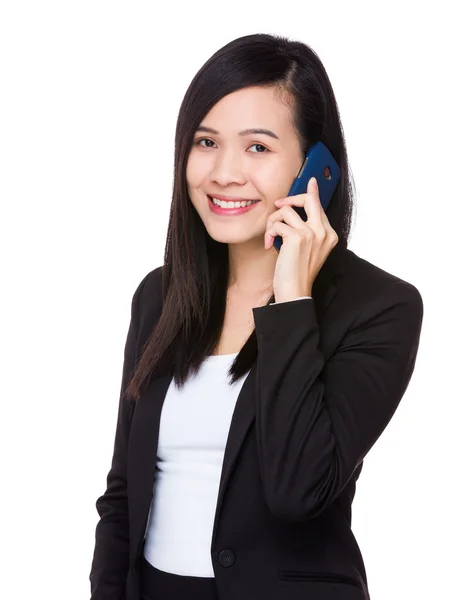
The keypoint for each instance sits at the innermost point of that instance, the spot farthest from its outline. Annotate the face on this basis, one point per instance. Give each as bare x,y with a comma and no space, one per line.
251,166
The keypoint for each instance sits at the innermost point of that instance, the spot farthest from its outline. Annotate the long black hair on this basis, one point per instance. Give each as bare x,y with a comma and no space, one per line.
195,272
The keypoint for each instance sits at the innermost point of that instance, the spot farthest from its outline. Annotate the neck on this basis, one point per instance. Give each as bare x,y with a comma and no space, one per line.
251,268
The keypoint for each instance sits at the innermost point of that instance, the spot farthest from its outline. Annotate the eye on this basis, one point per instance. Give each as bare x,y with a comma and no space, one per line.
197,143
259,146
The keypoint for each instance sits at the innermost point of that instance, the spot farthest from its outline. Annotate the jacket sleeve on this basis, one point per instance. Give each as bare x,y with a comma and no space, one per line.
110,561
317,420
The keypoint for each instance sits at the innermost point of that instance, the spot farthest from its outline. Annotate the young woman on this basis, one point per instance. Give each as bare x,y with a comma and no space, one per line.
254,382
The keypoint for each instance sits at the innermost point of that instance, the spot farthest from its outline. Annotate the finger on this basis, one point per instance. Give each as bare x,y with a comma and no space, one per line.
325,221
287,214
313,207
298,200
310,201
330,232
312,188
277,228
312,185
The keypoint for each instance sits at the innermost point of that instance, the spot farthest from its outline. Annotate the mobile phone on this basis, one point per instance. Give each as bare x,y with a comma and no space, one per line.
318,163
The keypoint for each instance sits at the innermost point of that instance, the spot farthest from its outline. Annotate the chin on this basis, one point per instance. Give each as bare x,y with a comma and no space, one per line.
224,239
237,239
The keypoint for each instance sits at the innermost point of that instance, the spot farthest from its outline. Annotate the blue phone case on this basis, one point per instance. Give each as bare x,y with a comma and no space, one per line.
318,163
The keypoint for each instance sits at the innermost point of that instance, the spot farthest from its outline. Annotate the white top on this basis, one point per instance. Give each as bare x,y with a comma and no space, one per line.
193,430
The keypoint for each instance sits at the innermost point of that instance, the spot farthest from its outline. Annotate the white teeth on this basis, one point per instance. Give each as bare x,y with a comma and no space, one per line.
224,204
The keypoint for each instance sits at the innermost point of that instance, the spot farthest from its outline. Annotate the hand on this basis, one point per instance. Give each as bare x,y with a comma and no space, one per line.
306,244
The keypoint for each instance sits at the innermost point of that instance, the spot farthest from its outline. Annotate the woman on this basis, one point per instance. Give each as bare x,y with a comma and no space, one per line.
254,381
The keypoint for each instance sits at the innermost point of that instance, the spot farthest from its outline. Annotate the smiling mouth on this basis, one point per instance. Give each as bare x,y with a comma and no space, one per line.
232,204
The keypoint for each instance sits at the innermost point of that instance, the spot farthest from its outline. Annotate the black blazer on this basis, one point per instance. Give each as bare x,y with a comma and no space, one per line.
328,378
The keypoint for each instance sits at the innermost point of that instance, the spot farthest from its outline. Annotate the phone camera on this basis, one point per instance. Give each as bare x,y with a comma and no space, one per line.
327,173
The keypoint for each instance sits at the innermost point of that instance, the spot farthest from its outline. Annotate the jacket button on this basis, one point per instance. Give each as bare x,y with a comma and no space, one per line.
226,558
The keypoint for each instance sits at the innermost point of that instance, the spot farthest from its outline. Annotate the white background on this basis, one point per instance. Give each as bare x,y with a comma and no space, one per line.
90,93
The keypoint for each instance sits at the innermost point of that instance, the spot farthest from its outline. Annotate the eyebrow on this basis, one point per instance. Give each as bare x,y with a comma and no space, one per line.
252,131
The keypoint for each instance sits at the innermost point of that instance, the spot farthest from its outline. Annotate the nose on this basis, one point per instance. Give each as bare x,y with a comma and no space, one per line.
227,168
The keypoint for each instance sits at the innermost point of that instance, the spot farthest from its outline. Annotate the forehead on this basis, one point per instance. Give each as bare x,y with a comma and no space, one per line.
251,107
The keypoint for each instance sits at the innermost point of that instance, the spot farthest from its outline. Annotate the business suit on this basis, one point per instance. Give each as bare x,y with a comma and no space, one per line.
328,378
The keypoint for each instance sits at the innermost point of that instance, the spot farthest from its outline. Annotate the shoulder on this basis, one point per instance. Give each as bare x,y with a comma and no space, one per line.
366,284
147,299
151,284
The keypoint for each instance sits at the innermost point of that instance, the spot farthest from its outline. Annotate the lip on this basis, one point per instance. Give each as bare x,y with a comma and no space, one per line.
231,198
229,212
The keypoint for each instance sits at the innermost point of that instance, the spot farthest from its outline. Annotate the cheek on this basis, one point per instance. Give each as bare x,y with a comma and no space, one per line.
273,181
191,173
196,170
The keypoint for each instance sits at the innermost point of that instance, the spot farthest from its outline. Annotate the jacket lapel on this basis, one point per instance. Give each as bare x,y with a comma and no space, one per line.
323,292
142,456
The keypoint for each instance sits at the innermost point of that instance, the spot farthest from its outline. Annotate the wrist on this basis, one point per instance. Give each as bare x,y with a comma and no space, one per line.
289,297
